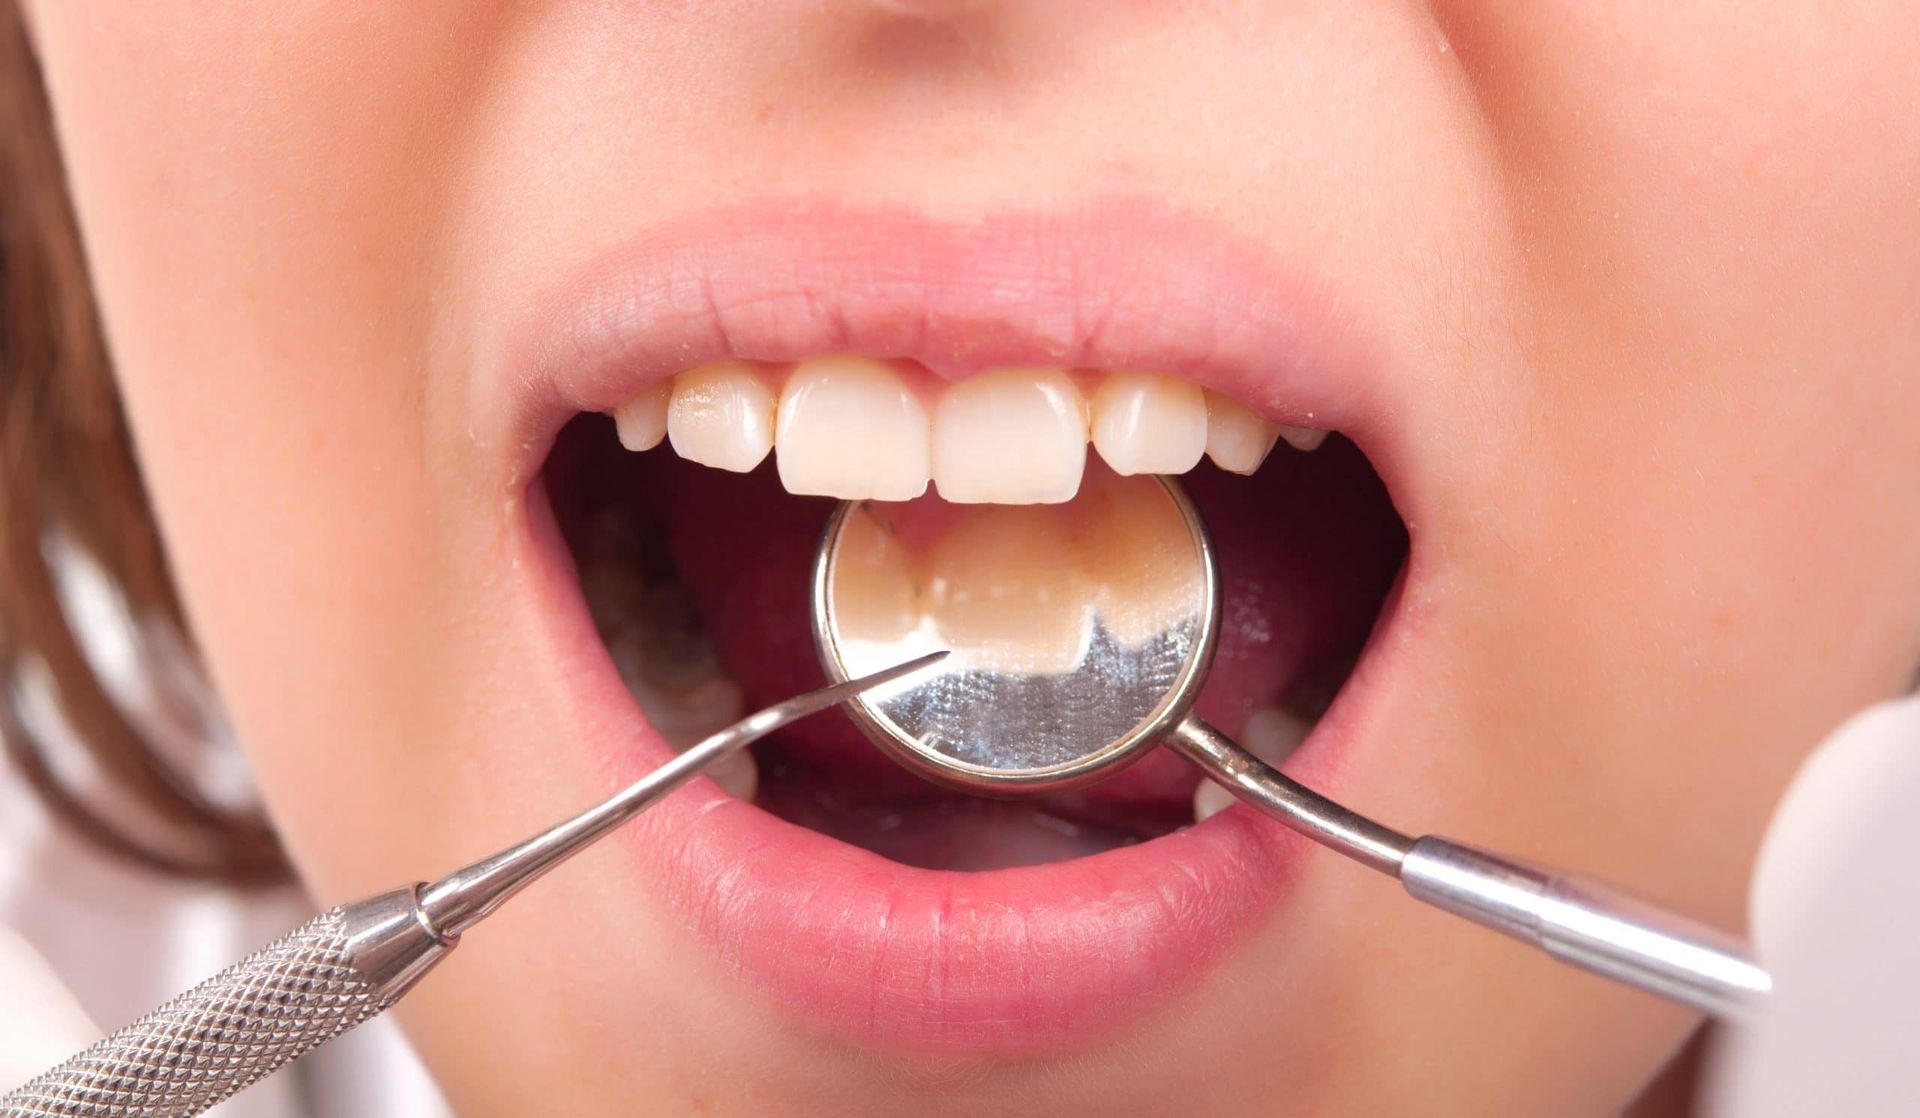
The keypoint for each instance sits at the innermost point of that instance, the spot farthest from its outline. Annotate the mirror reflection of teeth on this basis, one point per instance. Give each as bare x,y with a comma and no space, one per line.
861,428
1003,587
876,588
1020,589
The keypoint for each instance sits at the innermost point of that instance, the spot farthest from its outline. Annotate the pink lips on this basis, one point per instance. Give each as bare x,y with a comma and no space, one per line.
1006,961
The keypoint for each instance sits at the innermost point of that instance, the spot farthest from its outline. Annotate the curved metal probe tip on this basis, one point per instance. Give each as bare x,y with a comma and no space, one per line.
467,896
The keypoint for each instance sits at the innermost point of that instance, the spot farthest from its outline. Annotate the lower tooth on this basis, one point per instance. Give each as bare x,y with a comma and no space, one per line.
1270,734
738,773
1210,799
684,718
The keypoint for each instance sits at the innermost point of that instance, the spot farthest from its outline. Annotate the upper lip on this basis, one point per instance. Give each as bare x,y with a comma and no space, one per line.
1121,283
1008,960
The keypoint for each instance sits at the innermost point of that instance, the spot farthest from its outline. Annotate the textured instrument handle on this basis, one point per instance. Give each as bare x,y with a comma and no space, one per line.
214,1040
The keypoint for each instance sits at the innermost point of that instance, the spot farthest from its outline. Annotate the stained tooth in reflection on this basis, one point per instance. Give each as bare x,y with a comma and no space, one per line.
1149,424
1271,734
738,773
1010,437
642,421
850,427
1237,439
1303,438
721,416
990,608
1135,548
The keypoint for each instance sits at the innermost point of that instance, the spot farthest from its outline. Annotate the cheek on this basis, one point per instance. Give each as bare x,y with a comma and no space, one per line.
257,196
1712,434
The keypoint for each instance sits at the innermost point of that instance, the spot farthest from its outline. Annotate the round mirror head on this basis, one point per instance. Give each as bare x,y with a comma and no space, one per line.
1080,632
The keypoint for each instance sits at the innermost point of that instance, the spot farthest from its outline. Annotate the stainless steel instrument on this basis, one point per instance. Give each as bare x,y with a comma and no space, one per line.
1080,636
353,963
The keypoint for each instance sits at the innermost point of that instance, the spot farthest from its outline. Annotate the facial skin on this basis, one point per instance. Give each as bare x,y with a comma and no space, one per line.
1642,279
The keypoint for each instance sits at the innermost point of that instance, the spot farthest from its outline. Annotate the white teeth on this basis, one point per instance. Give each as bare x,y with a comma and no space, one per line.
1237,439
738,773
686,717
1209,800
856,428
1270,734
1148,424
1303,438
642,421
721,416
1010,437
850,428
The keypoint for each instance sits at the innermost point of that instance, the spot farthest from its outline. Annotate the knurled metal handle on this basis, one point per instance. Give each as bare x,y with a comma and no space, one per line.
218,1038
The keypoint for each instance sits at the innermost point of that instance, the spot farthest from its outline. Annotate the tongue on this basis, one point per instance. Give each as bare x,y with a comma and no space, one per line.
1307,550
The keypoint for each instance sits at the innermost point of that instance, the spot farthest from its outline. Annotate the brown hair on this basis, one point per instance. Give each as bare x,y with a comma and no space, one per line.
67,466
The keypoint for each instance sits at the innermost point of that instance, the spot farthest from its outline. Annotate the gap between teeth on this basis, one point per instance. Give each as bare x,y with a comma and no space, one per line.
858,428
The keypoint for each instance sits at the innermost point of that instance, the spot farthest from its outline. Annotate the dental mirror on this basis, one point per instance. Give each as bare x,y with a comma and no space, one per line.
1082,632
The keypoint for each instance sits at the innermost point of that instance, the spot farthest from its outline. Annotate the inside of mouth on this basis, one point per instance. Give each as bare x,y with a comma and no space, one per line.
698,580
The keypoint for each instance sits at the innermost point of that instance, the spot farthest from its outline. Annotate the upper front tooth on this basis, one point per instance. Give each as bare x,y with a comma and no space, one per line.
1010,437
1237,439
642,421
1303,438
851,428
1147,424
721,416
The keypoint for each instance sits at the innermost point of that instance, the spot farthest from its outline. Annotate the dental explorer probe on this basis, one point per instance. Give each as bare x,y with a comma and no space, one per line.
352,964
1038,698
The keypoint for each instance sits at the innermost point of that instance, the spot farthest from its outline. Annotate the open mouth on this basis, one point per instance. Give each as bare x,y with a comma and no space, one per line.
693,447
693,554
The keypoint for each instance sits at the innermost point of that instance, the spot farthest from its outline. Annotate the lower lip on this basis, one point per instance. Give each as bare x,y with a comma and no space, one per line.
1005,962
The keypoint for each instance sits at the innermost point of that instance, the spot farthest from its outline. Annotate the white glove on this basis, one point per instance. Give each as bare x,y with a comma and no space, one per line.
40,1023
1836,920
